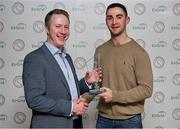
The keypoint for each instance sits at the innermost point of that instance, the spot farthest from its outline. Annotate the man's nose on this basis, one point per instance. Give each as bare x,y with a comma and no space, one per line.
63,30
114,21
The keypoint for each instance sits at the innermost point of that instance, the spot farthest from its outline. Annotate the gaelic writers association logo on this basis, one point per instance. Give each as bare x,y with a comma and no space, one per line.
80,44
17,8
139,9
19,117
176,97
2,8
99,8
159,44
176,114
3,81
37,44
158,97
2,44
141,42
100,26
159,9
2,99
17,81
160,79
140,26
80,26
98,42
38,26
176,9
59,5
159,62
20,99
159,27
80,63
2,63
176,44
19,26
3,117
18,45
81,7
39,8
160,114
176,79
1,26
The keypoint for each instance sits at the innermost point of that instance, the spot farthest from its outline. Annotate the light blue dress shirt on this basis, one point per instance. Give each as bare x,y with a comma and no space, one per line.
65,67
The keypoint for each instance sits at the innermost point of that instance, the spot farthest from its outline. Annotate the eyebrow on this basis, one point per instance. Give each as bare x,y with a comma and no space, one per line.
59,24
116,15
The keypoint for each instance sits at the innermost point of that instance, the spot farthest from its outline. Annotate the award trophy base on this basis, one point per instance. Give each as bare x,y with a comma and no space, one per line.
96,91
96,88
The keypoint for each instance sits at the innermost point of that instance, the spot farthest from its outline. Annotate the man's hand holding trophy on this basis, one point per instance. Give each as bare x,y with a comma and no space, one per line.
98,83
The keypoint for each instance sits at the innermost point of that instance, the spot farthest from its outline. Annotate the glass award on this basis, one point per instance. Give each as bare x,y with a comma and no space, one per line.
96,85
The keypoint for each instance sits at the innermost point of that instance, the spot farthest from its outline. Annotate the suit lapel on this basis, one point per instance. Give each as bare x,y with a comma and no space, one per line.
53,63
73,71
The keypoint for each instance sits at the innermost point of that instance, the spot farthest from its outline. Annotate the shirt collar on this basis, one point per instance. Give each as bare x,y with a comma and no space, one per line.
54,50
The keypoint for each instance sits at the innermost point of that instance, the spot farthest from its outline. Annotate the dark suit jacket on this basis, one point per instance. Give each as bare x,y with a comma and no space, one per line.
46,90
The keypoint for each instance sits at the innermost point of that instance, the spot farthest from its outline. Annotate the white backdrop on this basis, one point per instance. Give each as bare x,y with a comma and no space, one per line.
155,25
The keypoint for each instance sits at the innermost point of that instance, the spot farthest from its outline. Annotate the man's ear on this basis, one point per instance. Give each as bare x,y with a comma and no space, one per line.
127,20
47,30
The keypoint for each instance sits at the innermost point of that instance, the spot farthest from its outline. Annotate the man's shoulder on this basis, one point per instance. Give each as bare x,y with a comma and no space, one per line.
35,53
103,45
138,50
137,46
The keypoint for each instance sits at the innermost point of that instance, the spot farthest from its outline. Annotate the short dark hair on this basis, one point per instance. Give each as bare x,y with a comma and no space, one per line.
55,11
113,5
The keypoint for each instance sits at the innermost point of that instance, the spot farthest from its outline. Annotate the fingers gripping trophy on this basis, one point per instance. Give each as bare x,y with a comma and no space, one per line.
97,85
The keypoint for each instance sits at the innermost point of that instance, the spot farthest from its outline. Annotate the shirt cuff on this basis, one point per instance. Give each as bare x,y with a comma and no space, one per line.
89,86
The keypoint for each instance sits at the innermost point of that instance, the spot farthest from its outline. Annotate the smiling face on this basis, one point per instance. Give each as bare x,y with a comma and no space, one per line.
116,21
58,30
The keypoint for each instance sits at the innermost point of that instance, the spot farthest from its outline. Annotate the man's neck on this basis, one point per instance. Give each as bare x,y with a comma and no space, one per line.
121,39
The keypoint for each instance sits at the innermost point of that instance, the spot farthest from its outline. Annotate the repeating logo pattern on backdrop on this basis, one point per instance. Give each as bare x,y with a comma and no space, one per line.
17,82
159,62
159,26
176,44
176,79
2,44
99,8
38,26
59,5
139,8
18,8
1,26
2,7
80,63
141,42
18,45
2,63
19,117
80,26
176,9
158,97
154,25
2,100
176,114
